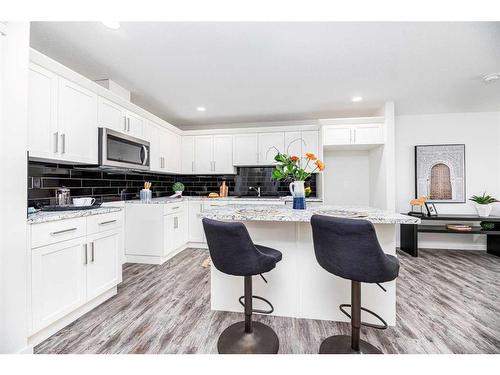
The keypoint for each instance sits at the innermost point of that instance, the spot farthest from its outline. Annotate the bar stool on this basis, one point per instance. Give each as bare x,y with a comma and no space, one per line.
349,248
233,253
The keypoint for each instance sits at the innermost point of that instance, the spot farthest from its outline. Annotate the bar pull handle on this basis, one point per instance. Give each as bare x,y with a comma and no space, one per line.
128,124
125,123
56,142
107,222
63,143
92,255
176,222
85,254
62,231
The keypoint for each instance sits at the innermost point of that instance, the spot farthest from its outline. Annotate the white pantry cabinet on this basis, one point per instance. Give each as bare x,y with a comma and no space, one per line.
115,117
73,262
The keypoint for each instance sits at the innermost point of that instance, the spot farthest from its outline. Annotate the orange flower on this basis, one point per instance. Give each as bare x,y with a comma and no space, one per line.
310,156
320,165
294,158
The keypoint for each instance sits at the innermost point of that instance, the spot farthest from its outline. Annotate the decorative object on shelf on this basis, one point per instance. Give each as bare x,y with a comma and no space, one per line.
440,173
293,168
486,225
418,202
431,209
146,194
178,188
459,227
483,204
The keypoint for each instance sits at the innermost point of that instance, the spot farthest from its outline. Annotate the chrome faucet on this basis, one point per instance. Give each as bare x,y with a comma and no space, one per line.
257,189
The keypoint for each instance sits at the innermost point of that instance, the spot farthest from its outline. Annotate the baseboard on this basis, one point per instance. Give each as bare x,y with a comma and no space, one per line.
197,245
28,349
154,259
37,337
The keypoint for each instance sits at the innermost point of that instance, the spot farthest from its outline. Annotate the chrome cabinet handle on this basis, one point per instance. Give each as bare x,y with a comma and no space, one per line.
107,222
128,124
63,143
192,166
86,256
62,231
175,208
56,142
92,255
176,222
124,123
354,135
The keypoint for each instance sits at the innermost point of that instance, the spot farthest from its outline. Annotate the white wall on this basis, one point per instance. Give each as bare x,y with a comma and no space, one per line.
480,132
13,175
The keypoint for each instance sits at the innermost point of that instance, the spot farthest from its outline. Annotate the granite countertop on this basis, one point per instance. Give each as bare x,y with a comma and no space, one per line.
46,216
286,213
165,200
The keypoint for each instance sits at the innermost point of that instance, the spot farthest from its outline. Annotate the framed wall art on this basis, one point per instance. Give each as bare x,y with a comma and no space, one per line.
440,173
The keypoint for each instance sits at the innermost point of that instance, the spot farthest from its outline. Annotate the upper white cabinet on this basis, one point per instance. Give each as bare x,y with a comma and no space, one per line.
43,138
207,154
257,148
114,116
62,119
370,134
77,123
172,151
165,148
301,142
246,149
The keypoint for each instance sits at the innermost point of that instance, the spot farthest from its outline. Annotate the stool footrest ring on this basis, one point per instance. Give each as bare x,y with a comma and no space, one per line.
257,310
377,326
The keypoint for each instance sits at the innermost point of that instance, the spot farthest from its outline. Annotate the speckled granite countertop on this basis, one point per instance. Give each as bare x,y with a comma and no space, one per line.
286,213
45,216
165,200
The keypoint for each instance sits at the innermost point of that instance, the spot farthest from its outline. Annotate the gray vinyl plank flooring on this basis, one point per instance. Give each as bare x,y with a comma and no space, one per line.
447,302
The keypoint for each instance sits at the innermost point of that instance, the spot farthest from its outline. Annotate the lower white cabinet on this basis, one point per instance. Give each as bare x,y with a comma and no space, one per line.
66,274
195,232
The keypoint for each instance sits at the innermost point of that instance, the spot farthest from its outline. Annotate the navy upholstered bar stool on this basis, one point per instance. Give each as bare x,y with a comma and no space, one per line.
349,248
233,253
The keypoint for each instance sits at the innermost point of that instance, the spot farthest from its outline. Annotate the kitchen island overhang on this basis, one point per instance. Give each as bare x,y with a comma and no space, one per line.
298,287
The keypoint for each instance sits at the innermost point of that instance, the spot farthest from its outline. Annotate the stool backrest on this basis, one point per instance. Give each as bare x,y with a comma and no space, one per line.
232,250
348,248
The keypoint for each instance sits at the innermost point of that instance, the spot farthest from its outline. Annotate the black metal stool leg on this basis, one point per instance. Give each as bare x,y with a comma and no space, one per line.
248,337
343,344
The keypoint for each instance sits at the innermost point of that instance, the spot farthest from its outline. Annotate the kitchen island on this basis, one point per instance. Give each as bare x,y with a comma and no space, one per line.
298,287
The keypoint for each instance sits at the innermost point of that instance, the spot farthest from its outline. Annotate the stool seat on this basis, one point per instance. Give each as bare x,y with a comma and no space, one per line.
270,251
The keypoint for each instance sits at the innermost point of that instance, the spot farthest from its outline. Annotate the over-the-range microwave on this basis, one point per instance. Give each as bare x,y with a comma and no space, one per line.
118,150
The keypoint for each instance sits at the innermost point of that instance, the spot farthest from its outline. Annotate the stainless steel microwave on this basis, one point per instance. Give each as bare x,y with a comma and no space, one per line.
118,150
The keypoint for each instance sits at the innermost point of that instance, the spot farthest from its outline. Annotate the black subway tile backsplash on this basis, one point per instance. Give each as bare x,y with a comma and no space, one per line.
106,186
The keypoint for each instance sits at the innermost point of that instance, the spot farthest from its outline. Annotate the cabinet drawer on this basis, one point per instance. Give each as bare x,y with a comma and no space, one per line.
104,222
173,208
57,231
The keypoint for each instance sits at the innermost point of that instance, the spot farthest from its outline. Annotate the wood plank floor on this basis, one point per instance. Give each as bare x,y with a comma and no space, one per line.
447,302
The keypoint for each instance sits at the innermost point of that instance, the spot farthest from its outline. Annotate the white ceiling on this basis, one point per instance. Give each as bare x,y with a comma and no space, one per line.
248,72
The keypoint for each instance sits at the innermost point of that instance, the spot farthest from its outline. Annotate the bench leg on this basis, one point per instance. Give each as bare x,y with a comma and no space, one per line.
409,239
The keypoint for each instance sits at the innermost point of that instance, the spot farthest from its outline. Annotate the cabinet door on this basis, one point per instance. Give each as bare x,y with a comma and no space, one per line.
203,154
293,144
111,115
77,120
269,145
58,281
171,152
223,153
168,234
152,134
103,262
368,134
177,153
43,137
163,142
246,149
310,145
135,124
195,231
337,135
187,154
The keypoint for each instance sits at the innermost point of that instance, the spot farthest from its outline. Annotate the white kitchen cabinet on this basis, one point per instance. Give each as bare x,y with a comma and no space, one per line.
195,226
111,115
171,151
77,123
43,136
246,149
57,281
187,154
135,124
151,134
223,154
353,134
203,154
103,262
269,145
293,143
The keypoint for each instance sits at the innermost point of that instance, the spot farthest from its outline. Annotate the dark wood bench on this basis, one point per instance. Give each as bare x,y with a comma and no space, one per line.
409,232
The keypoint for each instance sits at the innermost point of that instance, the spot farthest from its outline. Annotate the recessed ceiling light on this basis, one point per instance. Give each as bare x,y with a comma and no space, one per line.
489,78
201,109
114,25
356,99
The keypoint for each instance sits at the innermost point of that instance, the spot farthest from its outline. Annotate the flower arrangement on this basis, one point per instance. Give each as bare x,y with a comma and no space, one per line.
294,168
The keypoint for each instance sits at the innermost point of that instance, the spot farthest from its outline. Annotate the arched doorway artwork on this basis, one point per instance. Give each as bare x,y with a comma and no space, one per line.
440,182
